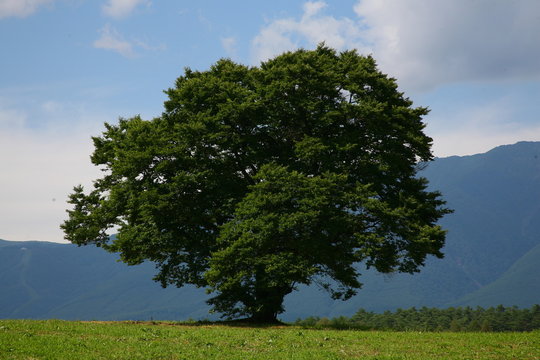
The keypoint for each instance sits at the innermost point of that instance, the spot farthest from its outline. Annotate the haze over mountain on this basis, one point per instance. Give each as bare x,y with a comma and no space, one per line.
492,257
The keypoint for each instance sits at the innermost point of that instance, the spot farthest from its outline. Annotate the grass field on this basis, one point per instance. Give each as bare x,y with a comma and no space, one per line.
55,339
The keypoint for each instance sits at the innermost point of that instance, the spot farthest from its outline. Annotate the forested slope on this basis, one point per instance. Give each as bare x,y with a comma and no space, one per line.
492,257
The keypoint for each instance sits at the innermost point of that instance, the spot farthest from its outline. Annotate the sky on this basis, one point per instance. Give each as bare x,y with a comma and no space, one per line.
68,66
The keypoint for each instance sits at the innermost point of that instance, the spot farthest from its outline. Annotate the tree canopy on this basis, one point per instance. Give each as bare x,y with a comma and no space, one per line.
257,179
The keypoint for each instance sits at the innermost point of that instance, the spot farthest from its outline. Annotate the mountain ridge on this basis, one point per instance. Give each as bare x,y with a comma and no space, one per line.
491,257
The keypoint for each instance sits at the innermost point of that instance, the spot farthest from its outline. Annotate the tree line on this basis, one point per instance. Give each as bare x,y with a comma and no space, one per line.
497,319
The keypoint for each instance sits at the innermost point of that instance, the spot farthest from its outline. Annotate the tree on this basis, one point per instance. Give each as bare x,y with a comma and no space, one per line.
257,179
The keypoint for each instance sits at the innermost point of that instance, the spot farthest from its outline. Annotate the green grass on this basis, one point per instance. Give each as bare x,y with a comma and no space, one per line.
55,339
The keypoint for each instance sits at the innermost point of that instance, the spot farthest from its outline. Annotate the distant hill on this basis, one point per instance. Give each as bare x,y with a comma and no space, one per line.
518,286
492,257
492,253
47,280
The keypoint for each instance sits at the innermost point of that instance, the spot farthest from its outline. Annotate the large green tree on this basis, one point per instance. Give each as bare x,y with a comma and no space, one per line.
257,179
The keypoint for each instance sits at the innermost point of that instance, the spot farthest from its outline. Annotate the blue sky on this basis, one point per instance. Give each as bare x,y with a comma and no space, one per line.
67,66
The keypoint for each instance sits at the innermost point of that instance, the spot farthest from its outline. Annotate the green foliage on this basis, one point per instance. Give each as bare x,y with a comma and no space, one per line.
55,339
256,180
493,319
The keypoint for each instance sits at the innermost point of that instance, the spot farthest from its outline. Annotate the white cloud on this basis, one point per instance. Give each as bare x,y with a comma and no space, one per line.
204,21
425,43
40,171
229,44
474,139
121,8
20,8
42,164
479,128
111,40
146,46
51,106
312,28
311,8
12,118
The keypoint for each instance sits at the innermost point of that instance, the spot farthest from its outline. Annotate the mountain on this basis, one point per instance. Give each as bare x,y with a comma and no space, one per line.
496,197
48,280
491,253
518,286
492,256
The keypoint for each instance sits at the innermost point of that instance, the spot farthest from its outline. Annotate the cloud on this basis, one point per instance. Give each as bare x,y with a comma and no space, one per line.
474,139
111,40
146,46
312,28
41,164
438,45
41,167
424,43
427,43
34,196
12,118
121,8
204,21
229,44
312,8
481,127
20,8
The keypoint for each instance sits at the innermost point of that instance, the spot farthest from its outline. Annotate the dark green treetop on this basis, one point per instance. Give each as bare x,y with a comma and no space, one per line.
257,179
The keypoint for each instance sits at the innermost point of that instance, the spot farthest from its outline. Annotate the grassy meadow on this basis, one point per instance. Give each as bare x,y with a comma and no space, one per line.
56,339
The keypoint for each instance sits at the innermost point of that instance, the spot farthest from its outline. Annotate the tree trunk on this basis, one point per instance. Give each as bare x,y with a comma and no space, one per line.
264,317
269,304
